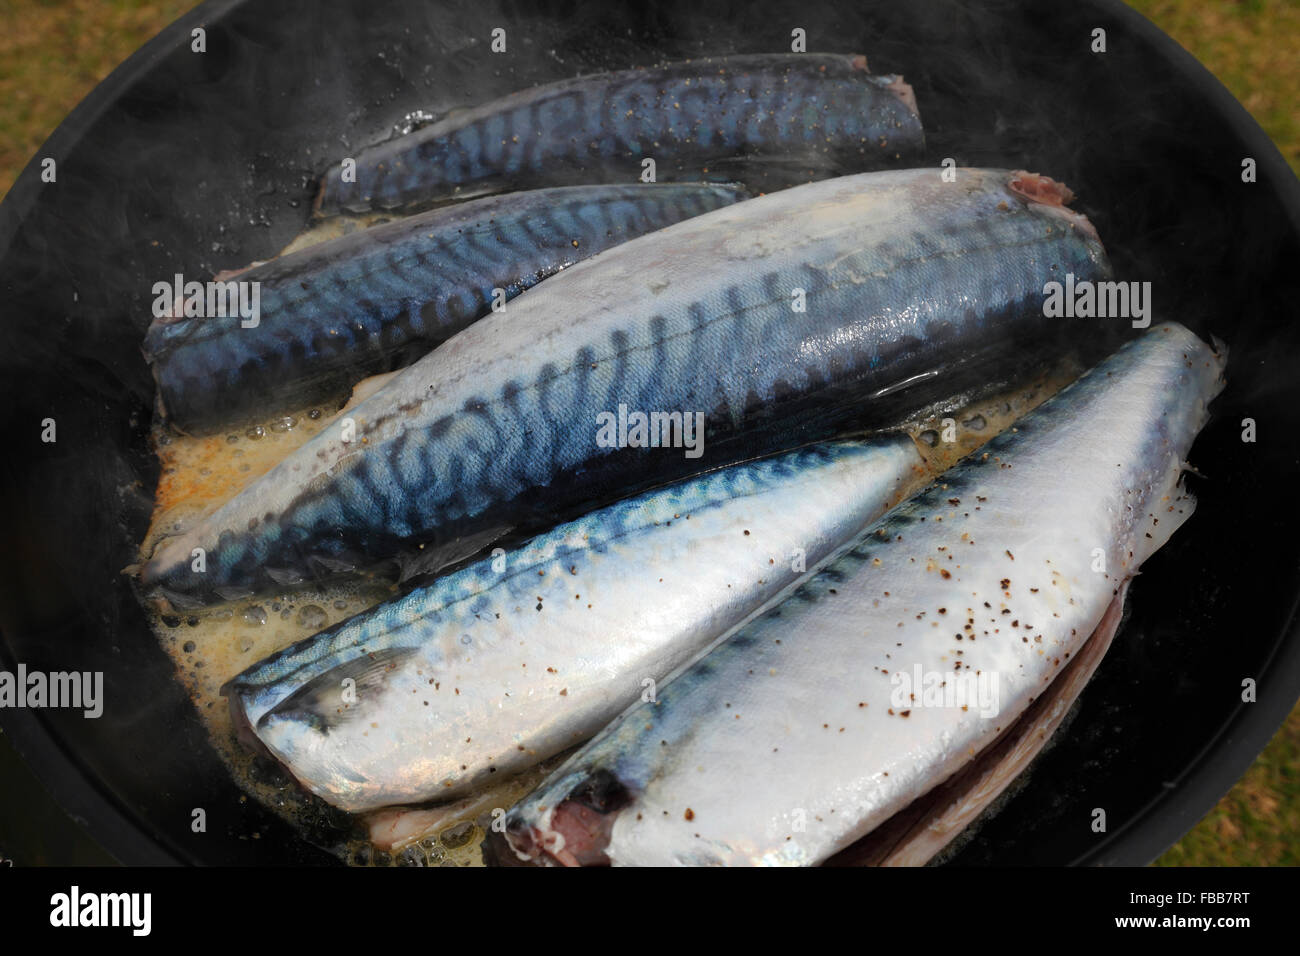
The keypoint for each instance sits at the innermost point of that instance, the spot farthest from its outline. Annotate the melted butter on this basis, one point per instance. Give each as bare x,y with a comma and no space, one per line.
335,228
451,834
213,644
200,473
951,430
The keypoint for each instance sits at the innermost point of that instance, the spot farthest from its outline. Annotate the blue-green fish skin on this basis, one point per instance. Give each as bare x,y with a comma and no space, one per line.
786,319
517,657
767,120
376,300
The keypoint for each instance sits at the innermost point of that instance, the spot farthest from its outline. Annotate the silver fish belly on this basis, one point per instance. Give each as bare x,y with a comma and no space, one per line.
789,318
820,719
518,657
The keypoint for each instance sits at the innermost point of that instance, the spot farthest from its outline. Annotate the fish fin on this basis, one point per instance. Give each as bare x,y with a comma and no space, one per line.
320,701
285,577
919,831
326,565
176,600
429,560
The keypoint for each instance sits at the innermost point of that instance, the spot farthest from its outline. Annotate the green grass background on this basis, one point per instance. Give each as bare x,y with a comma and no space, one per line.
53,52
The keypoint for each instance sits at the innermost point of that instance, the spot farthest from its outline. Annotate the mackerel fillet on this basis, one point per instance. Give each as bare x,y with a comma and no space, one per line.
817,721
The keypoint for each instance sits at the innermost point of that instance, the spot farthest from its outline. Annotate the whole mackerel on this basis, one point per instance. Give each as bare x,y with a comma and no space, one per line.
379,299
820,719
790,318
768,120
517,657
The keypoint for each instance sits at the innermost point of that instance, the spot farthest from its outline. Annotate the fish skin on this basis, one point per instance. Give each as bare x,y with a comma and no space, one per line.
375,300
815,115
917,834
490,670
908,281
746,743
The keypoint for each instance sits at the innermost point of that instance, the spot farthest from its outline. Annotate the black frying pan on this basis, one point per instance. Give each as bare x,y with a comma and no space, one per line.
185,162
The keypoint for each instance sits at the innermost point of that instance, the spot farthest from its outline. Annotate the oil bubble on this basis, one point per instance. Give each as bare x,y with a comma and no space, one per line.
458,835
255,616
311,615
411,856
